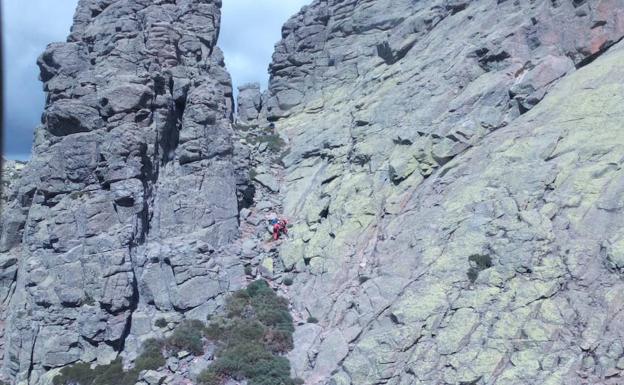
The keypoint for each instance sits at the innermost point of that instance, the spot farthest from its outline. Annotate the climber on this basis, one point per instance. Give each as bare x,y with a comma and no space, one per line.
280,226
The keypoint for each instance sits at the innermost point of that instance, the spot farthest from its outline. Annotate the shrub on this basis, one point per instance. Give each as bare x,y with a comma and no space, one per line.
248,270
473,274
256,328
288,281
259,287
151,358
237,305
161,323
274,142
88,300
269,308
114,374
480,263
188,336
209,377
81,373
312,320
278,341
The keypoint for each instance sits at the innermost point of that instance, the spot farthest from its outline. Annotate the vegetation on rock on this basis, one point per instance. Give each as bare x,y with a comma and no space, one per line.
480,263
250,338
161,323
187,337
81,373
256,329
274,142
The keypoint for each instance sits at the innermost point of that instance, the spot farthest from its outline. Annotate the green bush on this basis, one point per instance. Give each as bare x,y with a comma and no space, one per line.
473,274
288,281
82,374
188,336
480,263
312,320
114,374
88,300
259,287
269,308
151,358
209,377
161,323
248,270
274,142
256,329
278,341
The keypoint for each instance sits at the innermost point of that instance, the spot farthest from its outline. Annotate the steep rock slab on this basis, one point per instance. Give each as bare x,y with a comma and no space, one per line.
131,192
443,236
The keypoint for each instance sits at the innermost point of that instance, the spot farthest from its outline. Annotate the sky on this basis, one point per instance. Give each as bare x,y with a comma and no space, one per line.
249,30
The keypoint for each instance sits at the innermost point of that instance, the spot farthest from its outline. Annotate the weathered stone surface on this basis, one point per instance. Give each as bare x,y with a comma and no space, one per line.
452,176
130,198
249,102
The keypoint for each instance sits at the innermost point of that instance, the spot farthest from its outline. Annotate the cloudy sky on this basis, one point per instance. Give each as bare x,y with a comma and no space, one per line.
250,28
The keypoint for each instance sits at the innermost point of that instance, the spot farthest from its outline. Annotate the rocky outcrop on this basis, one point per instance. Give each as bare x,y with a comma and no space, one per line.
453,173
11,170
249,104
126,210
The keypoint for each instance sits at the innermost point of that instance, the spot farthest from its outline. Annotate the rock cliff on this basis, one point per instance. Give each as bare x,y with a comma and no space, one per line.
452,171
122,215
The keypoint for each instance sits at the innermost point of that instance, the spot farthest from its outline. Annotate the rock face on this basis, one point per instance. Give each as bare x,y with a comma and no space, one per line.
454,176
249,104
125,210
11,170
452,171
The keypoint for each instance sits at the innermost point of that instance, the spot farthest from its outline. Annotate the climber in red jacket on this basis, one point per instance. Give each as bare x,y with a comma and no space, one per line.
279,227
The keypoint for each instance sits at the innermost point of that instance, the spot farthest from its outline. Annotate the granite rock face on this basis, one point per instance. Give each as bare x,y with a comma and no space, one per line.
454,177
11,170
452,171
249,104
125,210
